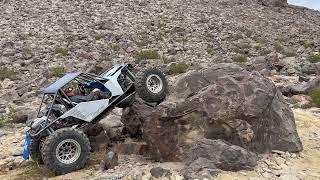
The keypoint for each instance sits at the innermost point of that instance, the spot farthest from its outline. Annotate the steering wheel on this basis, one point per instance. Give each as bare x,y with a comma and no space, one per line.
81,88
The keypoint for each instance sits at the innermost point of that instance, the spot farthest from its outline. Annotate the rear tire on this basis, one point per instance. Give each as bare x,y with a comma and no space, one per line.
66,150
151,85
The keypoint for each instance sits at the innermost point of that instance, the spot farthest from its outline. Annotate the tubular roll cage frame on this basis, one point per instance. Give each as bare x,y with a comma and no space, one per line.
84,77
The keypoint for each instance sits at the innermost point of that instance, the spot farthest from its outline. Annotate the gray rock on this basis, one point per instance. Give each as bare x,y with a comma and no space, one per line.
160,172
311,68
304,88
17,152
21,116
132,121
303,79
3,134
110,162
223,155
200,163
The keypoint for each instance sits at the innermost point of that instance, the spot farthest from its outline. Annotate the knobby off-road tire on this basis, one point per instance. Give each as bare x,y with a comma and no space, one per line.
151,85
35,152
66,150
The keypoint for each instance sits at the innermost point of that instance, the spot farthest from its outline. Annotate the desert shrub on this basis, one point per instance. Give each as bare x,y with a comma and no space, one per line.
248,32
265,52
210,51
244,45
236,36
115,47
57,71
315,96
257,47
147,54
104,58
314,58
283,39
7,73
61,50
240,58
289,53
178,68
293,101
7,118
308,44
99,36
278,47
239,50
70,39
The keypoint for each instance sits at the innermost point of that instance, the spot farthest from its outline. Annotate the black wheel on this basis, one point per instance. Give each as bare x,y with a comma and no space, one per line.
35,150
66,150
151,85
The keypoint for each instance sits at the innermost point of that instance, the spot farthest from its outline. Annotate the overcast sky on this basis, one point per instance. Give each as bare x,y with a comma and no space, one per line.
313,4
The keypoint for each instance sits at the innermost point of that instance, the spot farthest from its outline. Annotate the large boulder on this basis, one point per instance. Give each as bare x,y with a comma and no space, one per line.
222,102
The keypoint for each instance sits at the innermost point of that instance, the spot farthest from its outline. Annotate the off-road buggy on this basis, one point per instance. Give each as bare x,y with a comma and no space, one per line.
57,137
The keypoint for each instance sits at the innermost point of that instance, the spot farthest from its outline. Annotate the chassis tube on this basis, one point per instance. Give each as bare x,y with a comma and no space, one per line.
40,106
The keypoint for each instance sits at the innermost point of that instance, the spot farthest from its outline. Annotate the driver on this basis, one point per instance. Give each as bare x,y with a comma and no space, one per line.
74,95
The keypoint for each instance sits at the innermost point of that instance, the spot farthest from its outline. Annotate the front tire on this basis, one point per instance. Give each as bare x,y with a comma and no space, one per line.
66,150
151,85
35,151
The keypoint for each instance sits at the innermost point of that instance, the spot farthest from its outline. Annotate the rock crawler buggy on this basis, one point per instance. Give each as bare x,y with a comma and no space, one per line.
56,137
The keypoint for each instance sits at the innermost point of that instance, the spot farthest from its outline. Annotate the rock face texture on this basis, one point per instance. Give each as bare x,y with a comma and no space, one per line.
221,102
302,88
224,155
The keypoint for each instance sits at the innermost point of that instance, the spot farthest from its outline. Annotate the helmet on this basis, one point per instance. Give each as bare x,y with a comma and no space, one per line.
69,91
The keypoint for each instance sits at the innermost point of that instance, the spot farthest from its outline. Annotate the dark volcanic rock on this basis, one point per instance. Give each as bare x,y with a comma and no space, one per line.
139,148
196,165
110,162
160,172
133,117
312,68
302,88
223,155
222,102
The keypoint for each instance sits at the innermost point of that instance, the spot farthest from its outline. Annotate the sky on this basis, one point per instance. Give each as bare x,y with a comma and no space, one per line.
312,4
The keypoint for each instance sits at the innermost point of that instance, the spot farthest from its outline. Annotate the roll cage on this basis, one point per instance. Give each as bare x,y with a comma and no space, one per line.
119,80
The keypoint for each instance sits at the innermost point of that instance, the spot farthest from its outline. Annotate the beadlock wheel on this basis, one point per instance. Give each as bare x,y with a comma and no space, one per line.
151,85
154,83
68,151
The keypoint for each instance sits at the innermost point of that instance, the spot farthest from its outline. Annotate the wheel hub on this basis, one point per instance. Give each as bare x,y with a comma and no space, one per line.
154,83
68,151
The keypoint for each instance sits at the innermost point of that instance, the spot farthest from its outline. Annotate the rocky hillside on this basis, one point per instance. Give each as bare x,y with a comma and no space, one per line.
42,39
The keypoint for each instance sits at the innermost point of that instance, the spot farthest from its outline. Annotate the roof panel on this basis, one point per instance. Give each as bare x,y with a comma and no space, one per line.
53,88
